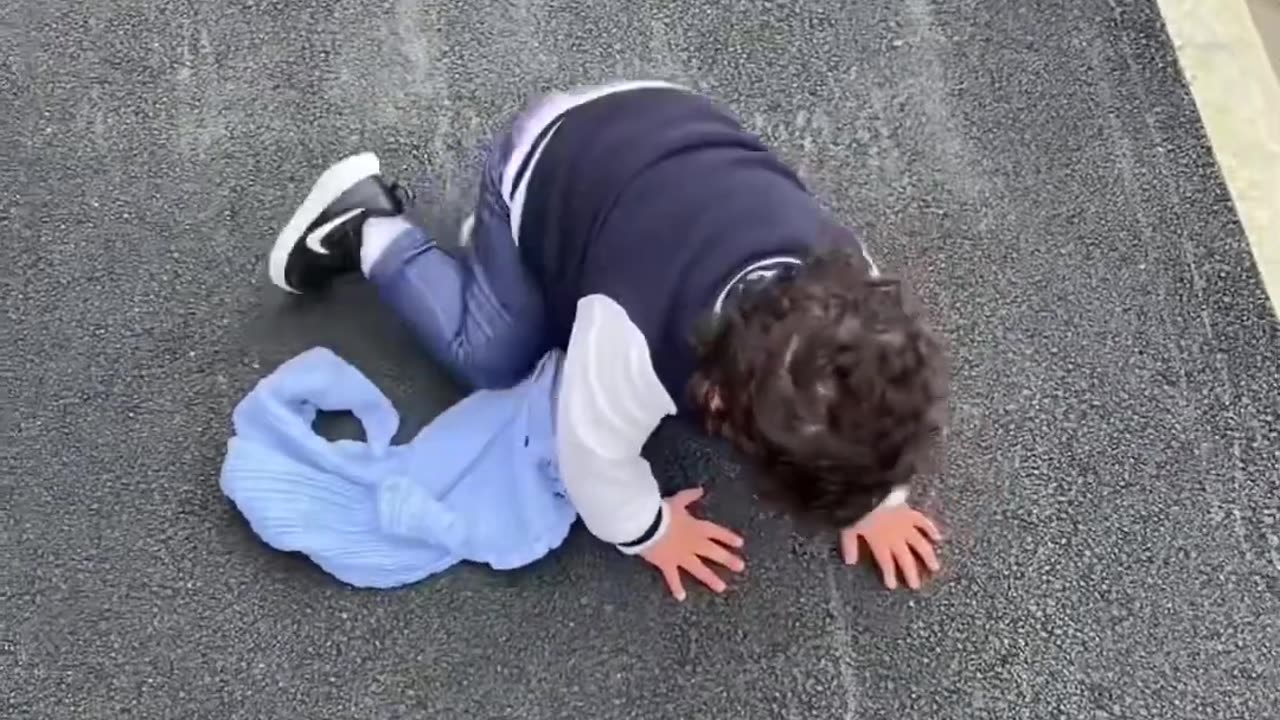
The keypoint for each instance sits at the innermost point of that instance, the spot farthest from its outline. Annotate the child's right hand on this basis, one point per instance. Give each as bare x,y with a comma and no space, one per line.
688,542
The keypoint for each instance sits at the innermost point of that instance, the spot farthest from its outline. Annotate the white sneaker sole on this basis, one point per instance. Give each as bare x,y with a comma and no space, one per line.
329,187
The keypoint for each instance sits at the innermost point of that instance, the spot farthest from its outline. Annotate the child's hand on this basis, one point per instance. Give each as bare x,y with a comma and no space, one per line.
687,542
899,538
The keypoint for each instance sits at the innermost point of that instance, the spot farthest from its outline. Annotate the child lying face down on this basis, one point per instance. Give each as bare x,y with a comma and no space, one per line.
683,268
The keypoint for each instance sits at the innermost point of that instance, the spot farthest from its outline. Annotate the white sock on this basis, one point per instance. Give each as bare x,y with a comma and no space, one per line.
376,237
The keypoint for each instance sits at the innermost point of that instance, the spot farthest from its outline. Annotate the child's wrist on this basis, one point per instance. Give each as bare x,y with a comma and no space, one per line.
651,536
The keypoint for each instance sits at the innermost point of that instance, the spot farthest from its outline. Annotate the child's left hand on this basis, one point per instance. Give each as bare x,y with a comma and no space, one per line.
900,538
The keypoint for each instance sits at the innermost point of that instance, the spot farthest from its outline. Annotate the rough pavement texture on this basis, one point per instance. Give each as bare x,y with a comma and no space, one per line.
1037,167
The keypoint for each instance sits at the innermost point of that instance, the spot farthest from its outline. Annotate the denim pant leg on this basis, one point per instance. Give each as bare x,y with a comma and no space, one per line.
478,311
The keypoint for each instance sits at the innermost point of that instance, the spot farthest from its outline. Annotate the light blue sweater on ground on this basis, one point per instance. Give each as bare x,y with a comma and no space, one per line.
479,483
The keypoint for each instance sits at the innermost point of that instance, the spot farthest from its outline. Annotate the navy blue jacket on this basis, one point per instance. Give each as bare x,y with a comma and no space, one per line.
657,198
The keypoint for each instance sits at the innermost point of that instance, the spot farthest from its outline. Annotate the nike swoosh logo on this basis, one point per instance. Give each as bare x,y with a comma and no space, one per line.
314,237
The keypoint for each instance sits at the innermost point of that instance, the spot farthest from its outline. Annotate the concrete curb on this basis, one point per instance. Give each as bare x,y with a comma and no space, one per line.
1237,93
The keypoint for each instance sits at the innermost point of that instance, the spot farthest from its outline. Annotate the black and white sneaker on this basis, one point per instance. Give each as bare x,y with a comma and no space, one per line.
322,239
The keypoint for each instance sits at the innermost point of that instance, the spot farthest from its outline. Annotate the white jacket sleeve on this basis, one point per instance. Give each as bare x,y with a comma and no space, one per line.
898,496
610,402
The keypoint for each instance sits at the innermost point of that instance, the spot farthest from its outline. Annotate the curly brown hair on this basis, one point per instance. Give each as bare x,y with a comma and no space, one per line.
830,381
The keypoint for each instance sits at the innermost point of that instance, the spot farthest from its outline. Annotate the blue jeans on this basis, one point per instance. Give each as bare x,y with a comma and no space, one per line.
479,311
476,310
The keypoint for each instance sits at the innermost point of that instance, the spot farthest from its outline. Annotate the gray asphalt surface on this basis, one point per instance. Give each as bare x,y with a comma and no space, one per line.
1037,168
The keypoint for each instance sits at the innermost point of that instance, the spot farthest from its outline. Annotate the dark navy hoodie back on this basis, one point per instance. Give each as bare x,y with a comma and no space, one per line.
657,198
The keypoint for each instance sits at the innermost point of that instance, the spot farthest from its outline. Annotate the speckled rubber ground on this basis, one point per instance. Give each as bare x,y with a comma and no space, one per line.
1037,167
